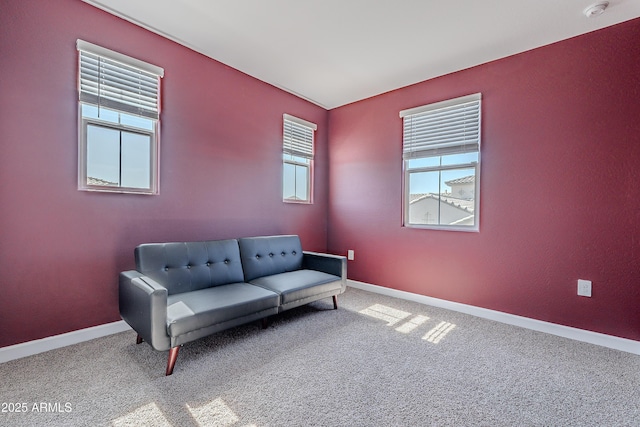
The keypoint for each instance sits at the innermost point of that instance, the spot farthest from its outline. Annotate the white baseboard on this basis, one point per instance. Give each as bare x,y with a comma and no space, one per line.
596,338
45,344
50,343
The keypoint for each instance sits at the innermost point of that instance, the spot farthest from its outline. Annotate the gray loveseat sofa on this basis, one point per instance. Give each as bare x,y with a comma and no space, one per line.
184,291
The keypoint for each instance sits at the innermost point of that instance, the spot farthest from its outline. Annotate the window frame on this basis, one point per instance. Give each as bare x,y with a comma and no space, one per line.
453,149
83,151
92,97
289,158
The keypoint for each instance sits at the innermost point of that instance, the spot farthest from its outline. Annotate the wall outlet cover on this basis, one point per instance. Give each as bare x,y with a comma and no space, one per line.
584,288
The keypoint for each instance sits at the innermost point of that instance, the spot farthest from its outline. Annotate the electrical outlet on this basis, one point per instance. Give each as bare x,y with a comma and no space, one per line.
584,288
350,255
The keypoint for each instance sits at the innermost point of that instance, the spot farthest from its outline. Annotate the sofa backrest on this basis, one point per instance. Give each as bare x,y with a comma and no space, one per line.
189,266
268,255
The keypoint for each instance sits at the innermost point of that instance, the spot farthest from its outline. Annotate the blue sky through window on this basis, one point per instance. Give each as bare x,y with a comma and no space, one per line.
116,156
434,181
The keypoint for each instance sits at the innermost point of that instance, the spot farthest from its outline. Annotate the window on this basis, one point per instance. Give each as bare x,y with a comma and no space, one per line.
119,122
297,157
441,156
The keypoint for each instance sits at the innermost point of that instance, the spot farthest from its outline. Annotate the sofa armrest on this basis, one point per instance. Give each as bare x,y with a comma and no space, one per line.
143,305
327,263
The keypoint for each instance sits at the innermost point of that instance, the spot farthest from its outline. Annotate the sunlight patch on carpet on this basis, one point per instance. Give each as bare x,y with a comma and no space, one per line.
439,332
148,415
409,326
214,413
388,314
394,316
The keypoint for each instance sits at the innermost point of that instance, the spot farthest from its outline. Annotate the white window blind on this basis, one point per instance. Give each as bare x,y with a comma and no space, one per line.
443,128
298,137
110,79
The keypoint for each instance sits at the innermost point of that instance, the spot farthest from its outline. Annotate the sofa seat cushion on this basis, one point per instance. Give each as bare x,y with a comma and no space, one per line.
199,309
300,284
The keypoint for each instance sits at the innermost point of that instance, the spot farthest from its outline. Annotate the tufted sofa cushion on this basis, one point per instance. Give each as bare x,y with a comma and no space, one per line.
190,266
268,255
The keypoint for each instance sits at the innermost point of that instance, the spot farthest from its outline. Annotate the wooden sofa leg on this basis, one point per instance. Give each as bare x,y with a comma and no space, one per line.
138,339
265,322
173,355
335,302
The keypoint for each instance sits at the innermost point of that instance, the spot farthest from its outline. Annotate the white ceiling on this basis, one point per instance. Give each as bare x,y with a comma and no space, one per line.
333,52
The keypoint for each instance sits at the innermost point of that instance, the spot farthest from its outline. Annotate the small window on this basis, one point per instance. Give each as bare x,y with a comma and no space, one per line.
297,157
119,122
441,159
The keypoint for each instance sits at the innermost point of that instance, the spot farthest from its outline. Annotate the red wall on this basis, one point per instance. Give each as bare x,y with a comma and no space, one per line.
560,187
221,139
559,179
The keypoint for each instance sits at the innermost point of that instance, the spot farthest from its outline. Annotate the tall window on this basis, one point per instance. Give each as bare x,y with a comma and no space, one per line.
441,155
119,122
297,157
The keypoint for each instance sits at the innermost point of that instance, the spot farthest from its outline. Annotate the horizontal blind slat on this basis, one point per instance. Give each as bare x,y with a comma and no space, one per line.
122,87
468,128
438,115
297,139
452,129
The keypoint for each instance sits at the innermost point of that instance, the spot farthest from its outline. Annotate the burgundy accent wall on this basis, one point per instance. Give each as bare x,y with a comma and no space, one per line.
559,178
560,187
220,176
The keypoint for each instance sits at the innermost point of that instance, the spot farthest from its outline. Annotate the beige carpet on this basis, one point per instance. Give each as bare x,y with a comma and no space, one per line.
376,361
